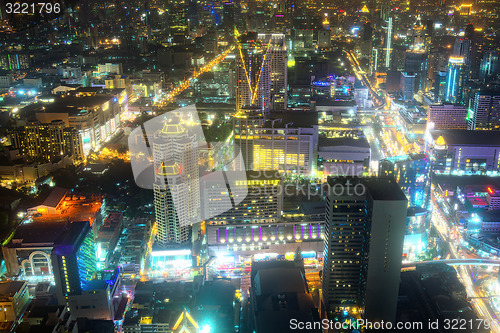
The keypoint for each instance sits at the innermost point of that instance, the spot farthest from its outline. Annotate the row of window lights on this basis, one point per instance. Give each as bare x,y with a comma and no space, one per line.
273,238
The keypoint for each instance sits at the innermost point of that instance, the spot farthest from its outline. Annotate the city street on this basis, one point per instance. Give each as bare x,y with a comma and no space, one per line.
482,306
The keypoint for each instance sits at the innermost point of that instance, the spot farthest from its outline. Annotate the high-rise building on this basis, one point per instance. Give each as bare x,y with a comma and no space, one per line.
440,87
455,76
385,9
364,233
446,116
192,13
374,61
229,15
388,42
416,62
407,86
485,111
44,142
176,186
276,44
74,260
253,74
462,48
412,173
490,64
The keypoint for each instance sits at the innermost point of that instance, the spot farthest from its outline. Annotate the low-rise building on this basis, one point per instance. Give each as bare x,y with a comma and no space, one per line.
343,156
102,299
461,151
446,116
278,294
257,197
14,299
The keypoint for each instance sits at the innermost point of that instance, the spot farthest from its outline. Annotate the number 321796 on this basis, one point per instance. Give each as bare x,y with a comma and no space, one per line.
32,8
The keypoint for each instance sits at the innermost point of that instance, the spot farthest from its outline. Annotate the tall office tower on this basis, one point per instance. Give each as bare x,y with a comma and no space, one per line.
463,49
278,61
388,43
74,260
253,73
440,87
407,86
364,233
228,16
416,62
490,64
446,116
176,187
374,61
192,13
419,35
385,9
455,77
413,174
485,112
291,10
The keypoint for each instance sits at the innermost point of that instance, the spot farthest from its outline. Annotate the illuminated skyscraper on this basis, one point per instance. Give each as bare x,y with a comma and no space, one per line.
253,74
374,61
388,43
462,48
490,64
485,112
176,186
455,76
364,233
407,86
412,172
440,87
74,260
261,71
385,9
416,62
278,70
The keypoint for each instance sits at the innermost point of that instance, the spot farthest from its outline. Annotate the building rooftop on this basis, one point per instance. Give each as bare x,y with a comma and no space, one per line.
68,104
489,215
322,102
379,188
280,294
384,189
239,175
219,293
298,119
69,241
464,137
55,197
359,142
37,234
10,288
406,158
278,280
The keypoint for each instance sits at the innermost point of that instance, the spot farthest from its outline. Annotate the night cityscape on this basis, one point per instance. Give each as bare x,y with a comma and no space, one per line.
253,166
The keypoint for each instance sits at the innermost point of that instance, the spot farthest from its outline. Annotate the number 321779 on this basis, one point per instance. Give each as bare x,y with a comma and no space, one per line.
32,8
